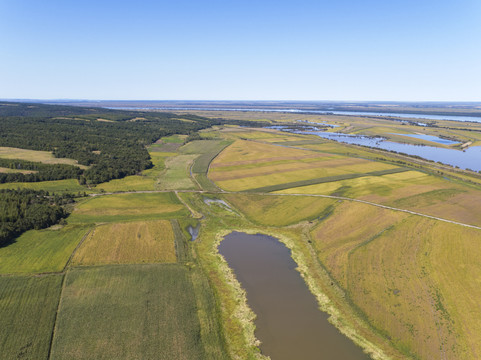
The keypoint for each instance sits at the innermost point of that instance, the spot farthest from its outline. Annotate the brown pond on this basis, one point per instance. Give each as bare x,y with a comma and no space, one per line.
289,323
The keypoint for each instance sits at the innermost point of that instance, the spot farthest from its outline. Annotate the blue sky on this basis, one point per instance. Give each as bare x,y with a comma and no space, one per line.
241,50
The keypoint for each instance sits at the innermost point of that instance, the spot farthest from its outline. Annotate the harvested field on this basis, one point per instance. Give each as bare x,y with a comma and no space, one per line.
39,251
28,306
247,165
128,243
128,207
153,305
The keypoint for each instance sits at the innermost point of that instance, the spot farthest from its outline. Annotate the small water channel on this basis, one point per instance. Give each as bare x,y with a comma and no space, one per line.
289,323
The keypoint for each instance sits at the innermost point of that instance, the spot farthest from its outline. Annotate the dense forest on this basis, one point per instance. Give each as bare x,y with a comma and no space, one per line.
111,142
36,171
22,210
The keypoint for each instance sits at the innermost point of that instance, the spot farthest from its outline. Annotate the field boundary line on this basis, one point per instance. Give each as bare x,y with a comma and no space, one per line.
192,175
52,336
77,247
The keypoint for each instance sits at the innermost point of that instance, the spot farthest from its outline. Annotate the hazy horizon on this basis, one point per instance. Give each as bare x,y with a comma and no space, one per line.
253,51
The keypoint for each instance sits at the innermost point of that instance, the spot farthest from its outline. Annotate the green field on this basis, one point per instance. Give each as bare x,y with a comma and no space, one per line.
39,251
177,173
69,185
128,207
28,306
128,312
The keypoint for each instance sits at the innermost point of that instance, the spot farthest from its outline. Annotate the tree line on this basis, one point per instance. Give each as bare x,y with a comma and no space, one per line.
22,210
112,143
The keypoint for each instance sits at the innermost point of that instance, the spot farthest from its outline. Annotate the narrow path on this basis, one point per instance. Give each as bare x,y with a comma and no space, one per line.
195,214
52,336
76,248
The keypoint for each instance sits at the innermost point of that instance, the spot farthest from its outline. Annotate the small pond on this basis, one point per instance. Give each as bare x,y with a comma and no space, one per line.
289,323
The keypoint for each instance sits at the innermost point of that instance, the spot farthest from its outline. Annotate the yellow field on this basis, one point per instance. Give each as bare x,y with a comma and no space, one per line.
247,165
411,190
128,243
36,156
279,210
405,274
374,188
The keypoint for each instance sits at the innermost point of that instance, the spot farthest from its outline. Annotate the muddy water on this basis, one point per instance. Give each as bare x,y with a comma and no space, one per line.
289,323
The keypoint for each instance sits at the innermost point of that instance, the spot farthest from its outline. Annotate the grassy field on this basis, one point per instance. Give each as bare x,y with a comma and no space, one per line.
177,173
279,210
128,243
128,312
128,207
69,185
208,150
28,306
45,157
39,251
128,183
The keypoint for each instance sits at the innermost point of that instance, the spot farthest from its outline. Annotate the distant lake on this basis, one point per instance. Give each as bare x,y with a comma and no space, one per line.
321,112
464,159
